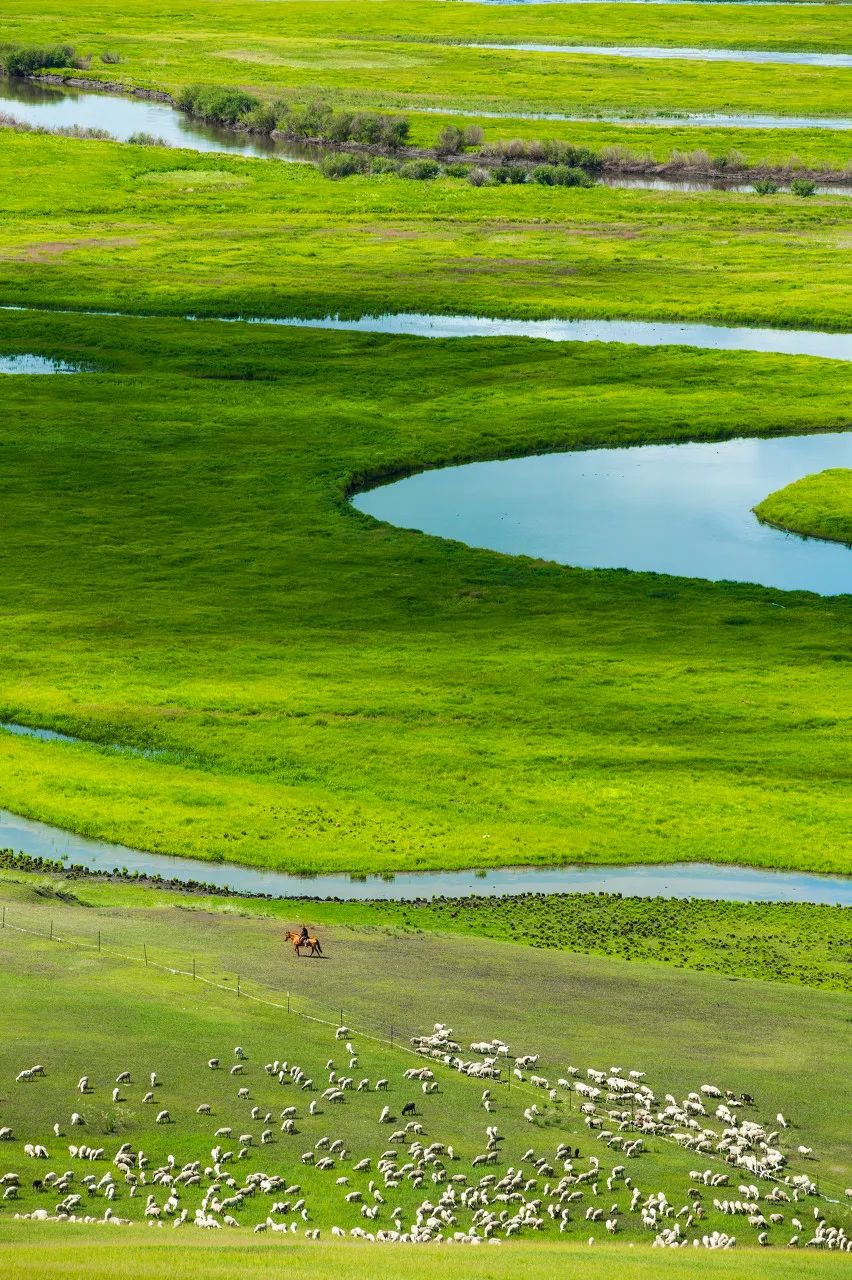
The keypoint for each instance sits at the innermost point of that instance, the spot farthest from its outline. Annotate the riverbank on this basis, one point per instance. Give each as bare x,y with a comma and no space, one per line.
611,161
797,943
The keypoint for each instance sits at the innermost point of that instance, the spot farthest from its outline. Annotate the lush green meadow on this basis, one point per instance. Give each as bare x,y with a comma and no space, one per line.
390,55
148,229
79,1011
334,694
818,506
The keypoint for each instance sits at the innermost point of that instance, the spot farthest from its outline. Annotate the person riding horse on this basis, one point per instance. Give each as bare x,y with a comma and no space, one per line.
303,936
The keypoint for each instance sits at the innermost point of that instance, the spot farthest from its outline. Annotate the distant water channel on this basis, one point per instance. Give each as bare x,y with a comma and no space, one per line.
783,56
682,509
679,880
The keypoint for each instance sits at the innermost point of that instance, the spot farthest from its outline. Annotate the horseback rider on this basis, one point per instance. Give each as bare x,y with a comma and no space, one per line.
303,936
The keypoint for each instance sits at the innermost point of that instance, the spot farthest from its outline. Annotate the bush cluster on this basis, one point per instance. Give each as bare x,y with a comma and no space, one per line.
27,60
222,106
319,120
550,151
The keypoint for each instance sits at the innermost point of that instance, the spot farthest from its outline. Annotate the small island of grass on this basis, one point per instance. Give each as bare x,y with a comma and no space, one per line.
818,506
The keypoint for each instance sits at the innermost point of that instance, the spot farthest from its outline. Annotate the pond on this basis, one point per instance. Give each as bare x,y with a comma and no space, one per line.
681,880
682,509
30,364
784,56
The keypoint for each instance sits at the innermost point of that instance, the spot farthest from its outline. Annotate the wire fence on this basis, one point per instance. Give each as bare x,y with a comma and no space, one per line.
50,927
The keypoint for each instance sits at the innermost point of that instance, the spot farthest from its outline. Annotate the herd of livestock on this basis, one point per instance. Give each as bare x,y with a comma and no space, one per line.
418,1186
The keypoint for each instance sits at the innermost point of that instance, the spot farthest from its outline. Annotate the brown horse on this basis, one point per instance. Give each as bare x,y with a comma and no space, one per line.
312,943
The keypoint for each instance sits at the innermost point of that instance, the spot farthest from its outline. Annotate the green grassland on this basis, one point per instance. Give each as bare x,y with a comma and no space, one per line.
153,1255
143,229
391,55
79,1011
795,942
818,506
334,694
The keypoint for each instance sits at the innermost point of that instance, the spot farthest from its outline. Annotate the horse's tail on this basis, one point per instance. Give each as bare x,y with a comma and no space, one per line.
319,946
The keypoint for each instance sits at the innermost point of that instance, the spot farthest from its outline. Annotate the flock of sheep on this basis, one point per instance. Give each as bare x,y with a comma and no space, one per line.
416,1186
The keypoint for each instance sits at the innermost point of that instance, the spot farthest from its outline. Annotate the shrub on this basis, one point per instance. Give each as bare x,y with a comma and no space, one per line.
26,61
472,136
803,187
561,175
110,59
261,119
457,170
339,127
146,140
766,187
224,106
421,170
367,129
619,156
395,131
384,164
450,140
479,178
309,120
342,166
557,152
514,174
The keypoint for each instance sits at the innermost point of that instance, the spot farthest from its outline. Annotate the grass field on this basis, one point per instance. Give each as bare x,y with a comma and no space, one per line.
783,942
588,1013
143,229
276,646
818,506
151,1255
390,55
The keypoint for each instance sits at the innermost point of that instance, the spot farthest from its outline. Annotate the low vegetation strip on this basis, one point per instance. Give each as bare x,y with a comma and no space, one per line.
798,943
817,506
152,1255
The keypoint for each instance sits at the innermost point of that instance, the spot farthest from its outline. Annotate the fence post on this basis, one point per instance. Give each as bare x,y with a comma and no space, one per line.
238,984
288,1001
145,953
51,931
99,939
340,1023
193,967
4,917
391,1036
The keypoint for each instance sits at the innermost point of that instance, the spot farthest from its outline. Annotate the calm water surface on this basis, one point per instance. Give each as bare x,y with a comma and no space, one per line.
675,509
786,57
123,116
29,364
680,880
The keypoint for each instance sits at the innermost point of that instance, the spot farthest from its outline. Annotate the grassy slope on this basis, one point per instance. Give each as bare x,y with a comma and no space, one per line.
334,694
681,1028
144,229
819,506
355,55
790,942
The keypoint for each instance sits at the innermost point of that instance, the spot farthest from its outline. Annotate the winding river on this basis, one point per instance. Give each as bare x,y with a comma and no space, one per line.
680,880
122,116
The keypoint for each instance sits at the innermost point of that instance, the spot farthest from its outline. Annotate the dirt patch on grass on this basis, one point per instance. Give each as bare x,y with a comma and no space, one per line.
57,248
